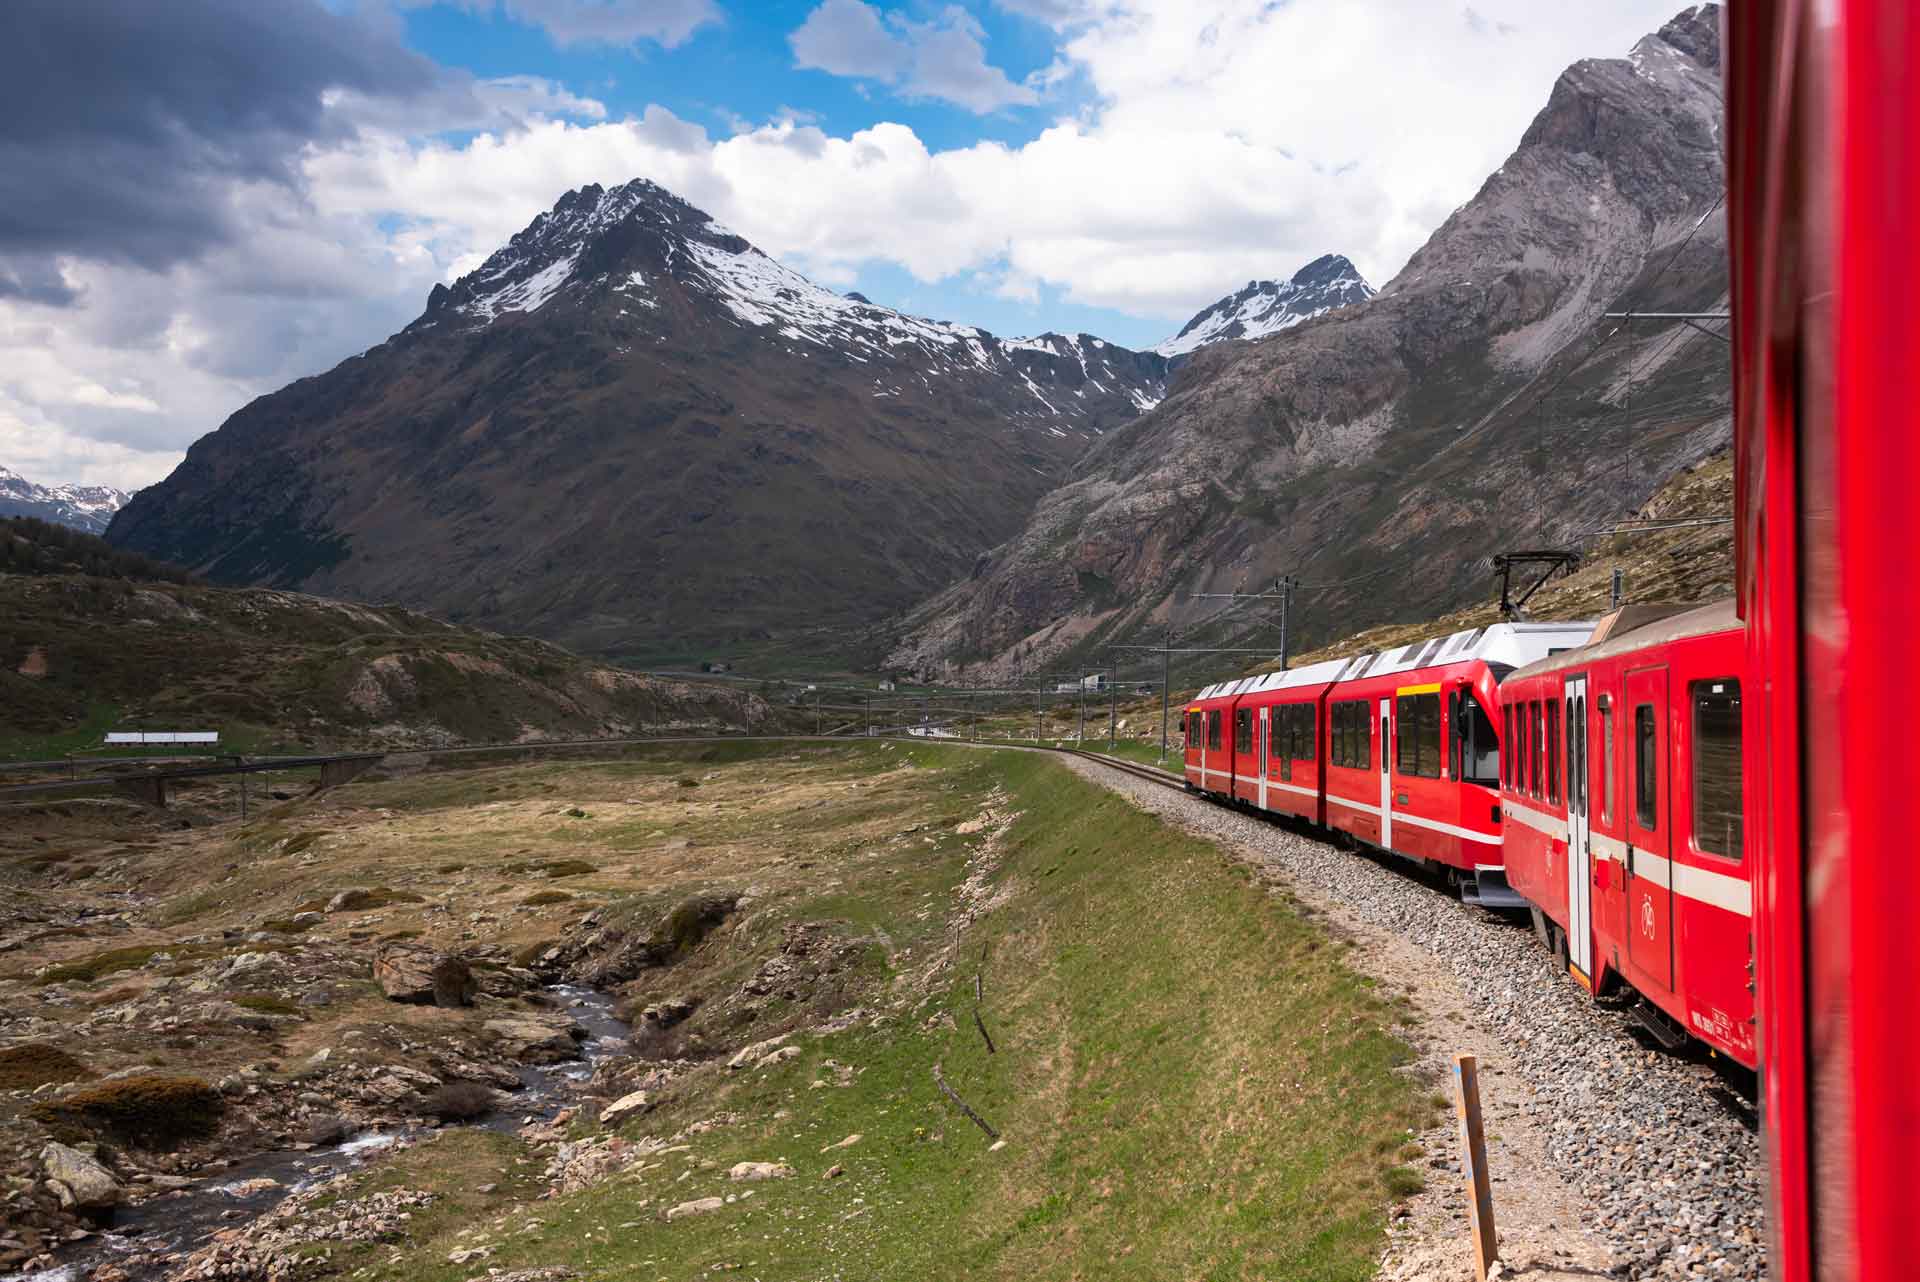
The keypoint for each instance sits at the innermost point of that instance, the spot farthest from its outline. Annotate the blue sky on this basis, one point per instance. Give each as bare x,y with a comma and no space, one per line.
207,199
742,70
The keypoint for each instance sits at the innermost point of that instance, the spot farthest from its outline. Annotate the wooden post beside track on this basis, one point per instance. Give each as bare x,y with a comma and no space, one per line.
1473,1153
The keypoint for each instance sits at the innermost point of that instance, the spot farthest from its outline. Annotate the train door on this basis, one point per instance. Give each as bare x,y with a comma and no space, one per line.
1386,773
1263,760
1579,835
1649,872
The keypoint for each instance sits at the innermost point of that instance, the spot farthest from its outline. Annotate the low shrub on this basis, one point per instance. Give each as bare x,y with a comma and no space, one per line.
1402,1181
265,1003
552,868
541,898
687,782
458,1102
22,1068
152,1112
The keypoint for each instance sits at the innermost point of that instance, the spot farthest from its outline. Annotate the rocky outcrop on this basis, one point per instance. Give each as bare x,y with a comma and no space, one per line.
615,954
535,1041
1384,450
408,973
78,1180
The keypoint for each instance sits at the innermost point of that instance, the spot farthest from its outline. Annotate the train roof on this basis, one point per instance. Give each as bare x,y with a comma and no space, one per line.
1510,645
1638,628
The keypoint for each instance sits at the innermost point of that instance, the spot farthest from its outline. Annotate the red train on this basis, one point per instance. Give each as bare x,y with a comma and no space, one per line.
1622,789
1823,163
1398,750
1823,194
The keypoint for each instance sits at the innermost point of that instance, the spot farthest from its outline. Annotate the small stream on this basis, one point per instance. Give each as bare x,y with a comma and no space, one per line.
183,1220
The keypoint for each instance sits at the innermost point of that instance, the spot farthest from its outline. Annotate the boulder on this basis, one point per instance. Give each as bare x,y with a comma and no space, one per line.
410,973
80,1181
780,1056
699,1206
625,1107
533,1041
748,1055
759,1171
350,901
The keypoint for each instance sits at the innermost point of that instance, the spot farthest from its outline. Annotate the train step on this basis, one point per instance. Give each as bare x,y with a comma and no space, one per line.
1656,1021
1490,892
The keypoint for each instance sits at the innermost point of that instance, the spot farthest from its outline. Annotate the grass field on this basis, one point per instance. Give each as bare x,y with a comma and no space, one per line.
1191,1081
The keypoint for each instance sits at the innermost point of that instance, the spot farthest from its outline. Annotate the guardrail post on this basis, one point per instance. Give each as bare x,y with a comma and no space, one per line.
1473,1150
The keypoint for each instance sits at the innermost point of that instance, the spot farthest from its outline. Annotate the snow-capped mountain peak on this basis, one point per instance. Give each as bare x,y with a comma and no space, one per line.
654,268
1269,306
84,507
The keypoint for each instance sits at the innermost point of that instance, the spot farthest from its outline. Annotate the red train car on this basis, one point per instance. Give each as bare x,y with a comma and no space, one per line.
1623,805
1282,717
1414,752
1209,756
1823,113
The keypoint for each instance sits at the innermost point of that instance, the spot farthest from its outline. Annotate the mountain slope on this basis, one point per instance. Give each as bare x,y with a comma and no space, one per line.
1382,452
1268,306
84,507
631,431
80,655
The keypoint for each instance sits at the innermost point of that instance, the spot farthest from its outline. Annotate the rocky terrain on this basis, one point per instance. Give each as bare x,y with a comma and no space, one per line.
82,653
84,507
1386,449
194,1023
632,432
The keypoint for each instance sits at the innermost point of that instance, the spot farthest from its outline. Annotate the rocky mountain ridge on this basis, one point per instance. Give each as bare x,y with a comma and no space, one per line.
1382,452
84,507
631,431
1266,307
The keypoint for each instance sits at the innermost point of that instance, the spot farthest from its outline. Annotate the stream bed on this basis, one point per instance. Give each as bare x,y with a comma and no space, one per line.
182,1221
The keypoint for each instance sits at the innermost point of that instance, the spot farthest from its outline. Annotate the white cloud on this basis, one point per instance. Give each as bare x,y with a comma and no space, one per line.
1227,140
942,59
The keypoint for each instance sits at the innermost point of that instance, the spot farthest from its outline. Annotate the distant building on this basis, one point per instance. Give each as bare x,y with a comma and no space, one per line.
716,665
887,685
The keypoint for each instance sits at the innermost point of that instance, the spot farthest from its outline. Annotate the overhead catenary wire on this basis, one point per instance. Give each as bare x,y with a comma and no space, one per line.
1597,343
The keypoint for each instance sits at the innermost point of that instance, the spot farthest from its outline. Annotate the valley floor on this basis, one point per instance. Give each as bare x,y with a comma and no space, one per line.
1196,1060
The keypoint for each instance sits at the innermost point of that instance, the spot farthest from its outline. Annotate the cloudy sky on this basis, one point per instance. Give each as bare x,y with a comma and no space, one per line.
202,200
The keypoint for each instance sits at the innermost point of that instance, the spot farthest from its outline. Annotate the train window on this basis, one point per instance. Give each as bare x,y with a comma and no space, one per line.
1480,747
1716,766
1606,759
1418,752
1553,750
1646,785
1363,718
1243,730
1309,727
1213,730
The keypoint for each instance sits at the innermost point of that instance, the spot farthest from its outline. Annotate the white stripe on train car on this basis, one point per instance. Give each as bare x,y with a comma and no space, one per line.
1468,834
1703,885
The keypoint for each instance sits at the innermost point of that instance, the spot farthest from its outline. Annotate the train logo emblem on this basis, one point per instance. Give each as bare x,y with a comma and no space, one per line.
1646,916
